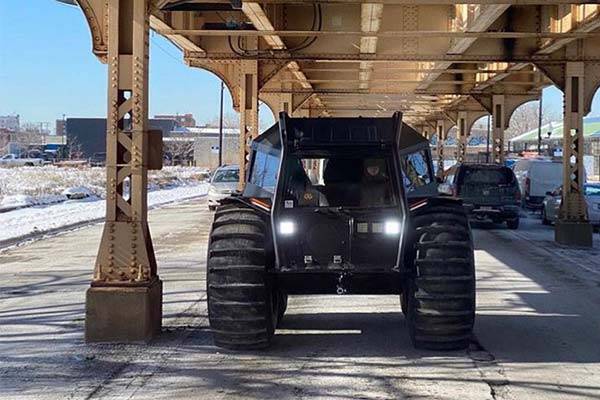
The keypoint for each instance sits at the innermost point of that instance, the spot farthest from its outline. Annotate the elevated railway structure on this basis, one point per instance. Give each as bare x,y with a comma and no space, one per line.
443,63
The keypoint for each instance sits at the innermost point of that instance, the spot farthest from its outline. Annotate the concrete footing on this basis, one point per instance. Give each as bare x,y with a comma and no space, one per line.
574,233
123,314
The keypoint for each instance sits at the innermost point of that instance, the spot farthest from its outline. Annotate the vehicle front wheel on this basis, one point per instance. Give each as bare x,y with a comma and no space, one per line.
243,305
441,289
513,223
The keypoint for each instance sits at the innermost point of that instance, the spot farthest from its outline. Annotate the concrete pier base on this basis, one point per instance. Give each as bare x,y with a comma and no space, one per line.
574,233
123,314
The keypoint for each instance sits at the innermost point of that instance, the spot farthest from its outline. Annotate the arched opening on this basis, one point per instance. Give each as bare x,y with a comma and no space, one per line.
591,132
525,134
478,144
266,115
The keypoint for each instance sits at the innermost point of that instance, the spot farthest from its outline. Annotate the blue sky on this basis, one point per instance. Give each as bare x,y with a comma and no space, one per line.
48,69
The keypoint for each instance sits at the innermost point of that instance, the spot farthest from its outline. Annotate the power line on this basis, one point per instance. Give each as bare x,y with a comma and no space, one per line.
177,59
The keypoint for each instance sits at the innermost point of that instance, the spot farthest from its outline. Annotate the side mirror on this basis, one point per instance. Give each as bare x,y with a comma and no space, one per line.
446,189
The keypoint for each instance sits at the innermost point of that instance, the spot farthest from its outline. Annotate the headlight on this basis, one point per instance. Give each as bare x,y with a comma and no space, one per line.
391,227
287,228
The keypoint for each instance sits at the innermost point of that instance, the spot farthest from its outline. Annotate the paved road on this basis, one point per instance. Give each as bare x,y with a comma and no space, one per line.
537,331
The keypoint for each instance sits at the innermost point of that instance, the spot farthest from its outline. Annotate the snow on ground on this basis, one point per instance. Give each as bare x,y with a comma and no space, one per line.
38,219
26,186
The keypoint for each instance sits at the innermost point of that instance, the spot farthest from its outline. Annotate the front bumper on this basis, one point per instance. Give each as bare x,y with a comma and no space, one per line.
215,198
534,202
505,212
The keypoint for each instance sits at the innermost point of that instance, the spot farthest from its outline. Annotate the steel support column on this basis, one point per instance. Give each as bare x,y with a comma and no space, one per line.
462,137
498,115
441,137
573,227
124,302
285,104
248,112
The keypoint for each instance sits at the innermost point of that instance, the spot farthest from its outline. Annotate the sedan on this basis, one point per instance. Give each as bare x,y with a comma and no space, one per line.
222,184
552,201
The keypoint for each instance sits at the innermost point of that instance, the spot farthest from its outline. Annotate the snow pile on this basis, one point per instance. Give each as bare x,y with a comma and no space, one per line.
24,200
24,222
27,186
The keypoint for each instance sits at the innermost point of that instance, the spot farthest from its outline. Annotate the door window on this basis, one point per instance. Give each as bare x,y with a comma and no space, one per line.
264,170
415,170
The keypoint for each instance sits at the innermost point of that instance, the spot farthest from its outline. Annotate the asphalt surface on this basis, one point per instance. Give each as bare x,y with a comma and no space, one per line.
537,331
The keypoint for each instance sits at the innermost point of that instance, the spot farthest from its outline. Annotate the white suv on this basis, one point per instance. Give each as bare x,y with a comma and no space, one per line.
223,182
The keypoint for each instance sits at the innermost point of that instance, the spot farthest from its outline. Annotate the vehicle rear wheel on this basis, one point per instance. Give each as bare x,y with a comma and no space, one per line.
512,223
243,305
545,219
441,290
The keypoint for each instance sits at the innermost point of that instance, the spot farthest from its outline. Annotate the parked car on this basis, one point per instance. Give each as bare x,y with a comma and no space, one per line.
98,159
12,160
536,177
223,182
488,191
552,201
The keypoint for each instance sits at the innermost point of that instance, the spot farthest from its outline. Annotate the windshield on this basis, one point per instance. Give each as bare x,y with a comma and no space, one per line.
226,175
340,182
493,176
592,190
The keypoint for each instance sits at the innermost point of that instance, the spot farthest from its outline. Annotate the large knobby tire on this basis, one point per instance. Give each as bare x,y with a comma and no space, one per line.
512,223
242,303
441,289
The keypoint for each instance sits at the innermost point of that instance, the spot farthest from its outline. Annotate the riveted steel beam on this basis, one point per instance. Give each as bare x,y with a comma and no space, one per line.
408,2
498,118
248,107
386,58
381,34
572,226
126,263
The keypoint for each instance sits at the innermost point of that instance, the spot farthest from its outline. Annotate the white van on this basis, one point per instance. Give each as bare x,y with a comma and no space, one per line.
536,177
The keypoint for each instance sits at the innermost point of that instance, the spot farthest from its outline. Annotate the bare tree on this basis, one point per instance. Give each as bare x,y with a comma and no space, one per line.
230,120
179,150
74,149
29,140
525,119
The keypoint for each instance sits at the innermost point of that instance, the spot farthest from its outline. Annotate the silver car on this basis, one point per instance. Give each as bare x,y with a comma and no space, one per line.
552,201
223,182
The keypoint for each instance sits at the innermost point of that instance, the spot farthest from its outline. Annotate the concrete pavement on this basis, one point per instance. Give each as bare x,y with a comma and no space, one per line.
537,329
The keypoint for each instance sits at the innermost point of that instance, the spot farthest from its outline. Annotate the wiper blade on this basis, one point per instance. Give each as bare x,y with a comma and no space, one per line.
332,211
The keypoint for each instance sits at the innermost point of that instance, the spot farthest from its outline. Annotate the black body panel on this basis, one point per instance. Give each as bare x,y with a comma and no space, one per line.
326,236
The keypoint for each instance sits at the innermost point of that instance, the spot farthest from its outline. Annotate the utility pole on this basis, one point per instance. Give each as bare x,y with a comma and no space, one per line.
487,146
539,144
221,127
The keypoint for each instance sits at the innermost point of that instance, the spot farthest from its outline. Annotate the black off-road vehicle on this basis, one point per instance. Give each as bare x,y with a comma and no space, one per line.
346,206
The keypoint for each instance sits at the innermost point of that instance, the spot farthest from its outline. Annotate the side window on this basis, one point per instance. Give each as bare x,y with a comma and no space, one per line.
449,178
270,174
258,168
415,168
264,170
